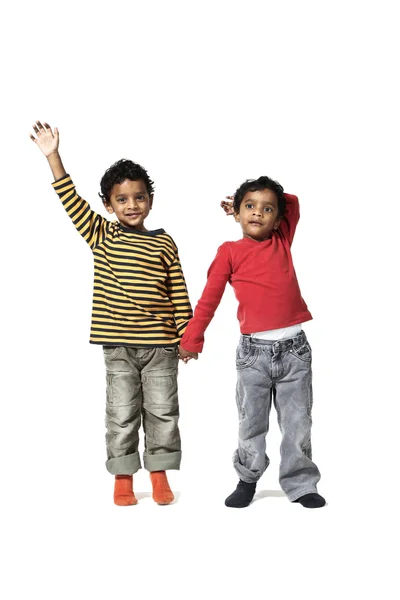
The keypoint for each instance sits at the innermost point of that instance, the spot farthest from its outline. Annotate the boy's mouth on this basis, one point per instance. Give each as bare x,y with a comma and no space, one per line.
258,223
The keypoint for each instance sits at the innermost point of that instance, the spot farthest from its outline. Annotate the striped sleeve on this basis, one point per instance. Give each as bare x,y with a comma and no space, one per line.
178,295
92,227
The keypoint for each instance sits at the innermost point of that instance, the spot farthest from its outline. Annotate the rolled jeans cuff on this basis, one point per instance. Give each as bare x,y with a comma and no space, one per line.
124,465
162,462
293,496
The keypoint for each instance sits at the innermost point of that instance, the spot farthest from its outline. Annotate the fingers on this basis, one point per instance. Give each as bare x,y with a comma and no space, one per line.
48,129
42,128
184,358
39,127
227,206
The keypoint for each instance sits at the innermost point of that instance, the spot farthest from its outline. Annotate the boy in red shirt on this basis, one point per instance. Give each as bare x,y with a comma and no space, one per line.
273,358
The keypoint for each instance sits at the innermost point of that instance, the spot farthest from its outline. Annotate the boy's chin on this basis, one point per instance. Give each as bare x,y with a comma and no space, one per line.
259,236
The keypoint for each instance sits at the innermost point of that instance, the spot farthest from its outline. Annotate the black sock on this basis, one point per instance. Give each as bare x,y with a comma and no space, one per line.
311,501
242,496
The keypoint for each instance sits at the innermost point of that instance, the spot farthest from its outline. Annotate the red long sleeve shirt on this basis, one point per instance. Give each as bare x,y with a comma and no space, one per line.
264,281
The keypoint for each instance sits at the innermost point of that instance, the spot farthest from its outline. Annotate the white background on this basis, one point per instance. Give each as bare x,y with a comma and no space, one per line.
204,95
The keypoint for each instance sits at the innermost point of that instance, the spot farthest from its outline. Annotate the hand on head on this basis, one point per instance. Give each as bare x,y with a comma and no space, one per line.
227,206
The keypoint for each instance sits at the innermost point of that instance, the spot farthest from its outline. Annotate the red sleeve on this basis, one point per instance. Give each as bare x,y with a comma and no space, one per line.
217,277
291,218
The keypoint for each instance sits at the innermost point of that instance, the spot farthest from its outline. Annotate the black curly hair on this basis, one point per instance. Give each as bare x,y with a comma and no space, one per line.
255,185
118,172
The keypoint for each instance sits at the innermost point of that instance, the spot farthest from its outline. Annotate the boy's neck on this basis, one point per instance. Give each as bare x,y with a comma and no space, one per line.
142,227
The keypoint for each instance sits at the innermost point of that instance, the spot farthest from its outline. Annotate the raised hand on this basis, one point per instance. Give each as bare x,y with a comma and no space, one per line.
228,206
185,355
46,139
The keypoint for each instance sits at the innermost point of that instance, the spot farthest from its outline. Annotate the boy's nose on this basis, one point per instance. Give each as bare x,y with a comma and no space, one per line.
132,204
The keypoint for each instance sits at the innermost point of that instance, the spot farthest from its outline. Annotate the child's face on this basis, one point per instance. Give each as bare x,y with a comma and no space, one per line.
258,215
131,203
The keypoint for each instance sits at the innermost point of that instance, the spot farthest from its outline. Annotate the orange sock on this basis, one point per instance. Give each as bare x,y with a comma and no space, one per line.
161,491
123,491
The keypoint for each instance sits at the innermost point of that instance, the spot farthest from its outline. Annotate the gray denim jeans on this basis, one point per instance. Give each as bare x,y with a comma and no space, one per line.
142,387
278,372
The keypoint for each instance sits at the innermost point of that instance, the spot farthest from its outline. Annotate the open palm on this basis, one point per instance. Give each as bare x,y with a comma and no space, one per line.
46,139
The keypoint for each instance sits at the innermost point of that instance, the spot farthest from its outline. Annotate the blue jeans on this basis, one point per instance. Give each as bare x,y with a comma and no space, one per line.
277,371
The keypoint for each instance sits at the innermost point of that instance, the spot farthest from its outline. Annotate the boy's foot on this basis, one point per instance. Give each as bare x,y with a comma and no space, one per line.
123,491
311,501
242,496
162,493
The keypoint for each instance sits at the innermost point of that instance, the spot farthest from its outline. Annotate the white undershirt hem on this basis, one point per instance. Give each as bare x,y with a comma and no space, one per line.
278,334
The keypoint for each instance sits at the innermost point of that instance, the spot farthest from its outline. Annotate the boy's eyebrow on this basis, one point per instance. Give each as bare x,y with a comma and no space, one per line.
265,202
136,193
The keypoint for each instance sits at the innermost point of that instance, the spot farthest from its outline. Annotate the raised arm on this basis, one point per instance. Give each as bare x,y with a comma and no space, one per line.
92,226
291,217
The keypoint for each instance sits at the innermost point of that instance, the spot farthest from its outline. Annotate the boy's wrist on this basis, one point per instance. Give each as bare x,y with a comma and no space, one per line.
55,164
53,155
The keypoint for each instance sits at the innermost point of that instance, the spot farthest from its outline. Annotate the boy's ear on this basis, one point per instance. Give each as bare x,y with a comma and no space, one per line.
151,201
108,207
277,222
236,217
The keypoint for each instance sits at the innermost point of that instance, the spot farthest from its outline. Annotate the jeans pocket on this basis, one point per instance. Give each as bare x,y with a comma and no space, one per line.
302,351
171,351
245,358
111,352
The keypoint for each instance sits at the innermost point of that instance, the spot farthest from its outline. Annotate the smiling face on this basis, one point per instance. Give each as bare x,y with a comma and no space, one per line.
131,203
258,215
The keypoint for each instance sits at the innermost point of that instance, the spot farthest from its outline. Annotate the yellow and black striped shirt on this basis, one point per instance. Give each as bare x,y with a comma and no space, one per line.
139,295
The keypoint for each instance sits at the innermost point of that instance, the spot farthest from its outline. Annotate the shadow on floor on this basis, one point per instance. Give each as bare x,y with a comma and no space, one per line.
141,495
268,494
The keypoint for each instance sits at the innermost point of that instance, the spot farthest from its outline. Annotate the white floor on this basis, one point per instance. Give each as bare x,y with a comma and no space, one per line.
61,545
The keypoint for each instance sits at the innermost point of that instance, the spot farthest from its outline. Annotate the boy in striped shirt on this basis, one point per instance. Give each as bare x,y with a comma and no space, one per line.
140,311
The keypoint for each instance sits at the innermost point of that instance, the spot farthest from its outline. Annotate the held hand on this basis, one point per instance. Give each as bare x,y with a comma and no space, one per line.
186,356
46,139
228,206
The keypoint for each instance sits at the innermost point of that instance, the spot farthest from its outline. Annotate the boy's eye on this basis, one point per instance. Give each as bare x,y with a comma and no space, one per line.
249,205
268,209
121,199
140,198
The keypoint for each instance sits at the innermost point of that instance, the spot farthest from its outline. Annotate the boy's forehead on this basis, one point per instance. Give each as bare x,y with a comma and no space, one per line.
266,196
129,186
